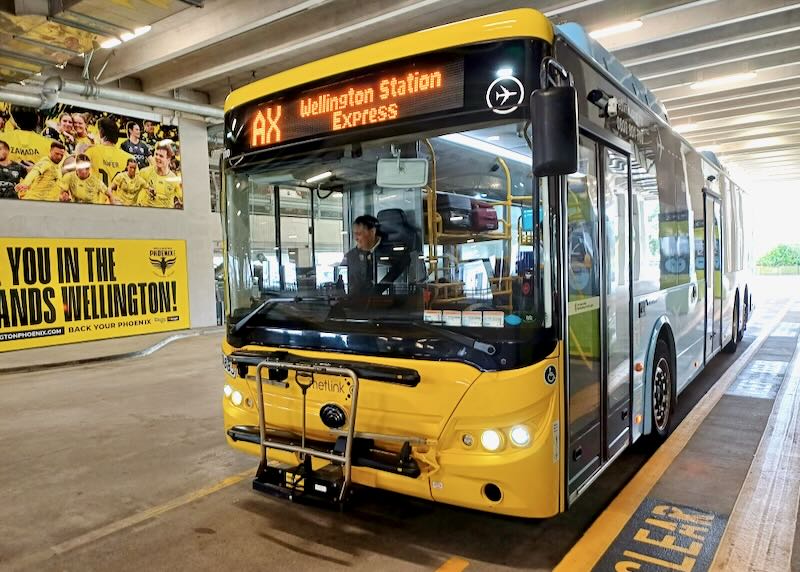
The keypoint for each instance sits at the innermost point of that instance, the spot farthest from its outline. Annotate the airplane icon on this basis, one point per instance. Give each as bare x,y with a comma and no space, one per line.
504,93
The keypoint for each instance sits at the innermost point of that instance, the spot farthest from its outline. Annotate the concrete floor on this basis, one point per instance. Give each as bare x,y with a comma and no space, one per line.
84,447
101,465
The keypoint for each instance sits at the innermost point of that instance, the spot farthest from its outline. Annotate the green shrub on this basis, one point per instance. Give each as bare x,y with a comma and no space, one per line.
781,255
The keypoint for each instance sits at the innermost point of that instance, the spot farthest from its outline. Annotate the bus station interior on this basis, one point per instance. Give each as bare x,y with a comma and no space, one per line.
131,331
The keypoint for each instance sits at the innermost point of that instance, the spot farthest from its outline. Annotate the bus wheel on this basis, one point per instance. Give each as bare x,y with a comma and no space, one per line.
663,391
734,343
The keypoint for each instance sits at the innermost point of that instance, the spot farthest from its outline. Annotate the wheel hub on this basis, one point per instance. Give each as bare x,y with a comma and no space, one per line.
661,394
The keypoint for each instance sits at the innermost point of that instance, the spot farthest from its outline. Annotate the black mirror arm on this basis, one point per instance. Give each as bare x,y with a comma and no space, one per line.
549,64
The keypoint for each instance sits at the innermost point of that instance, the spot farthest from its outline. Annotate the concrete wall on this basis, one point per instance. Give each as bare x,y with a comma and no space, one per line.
195,224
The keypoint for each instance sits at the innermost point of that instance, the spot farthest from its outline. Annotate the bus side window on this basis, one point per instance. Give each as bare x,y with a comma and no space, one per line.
646,214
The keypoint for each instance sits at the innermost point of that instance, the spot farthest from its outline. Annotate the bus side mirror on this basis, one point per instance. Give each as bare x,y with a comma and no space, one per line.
554,113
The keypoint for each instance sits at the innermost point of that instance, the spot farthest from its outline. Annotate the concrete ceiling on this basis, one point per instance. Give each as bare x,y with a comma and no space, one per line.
38,35
753,124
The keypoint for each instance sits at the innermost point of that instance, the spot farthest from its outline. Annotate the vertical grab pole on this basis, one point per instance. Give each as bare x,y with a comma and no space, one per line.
262,430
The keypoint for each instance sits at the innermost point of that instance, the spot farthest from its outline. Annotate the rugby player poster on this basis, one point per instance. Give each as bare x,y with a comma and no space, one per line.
59,291
70,154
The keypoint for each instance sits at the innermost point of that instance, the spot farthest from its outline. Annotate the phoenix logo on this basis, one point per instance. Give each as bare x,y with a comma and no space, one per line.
163,263
162,259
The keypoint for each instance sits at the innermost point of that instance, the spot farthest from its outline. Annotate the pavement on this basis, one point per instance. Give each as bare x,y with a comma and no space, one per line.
122,465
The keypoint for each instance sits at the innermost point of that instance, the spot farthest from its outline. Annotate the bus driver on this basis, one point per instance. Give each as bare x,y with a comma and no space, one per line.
362,261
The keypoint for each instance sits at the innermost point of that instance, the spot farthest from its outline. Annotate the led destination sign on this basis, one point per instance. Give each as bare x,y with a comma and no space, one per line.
376,98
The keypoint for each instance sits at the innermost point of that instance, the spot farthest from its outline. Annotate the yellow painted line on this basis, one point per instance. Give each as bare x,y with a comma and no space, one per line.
761,529
594,543
454,564
153,512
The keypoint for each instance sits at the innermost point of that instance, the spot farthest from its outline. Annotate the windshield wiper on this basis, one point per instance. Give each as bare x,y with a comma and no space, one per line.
265,306
462,339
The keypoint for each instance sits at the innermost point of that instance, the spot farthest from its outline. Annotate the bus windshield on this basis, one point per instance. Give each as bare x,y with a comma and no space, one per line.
400,236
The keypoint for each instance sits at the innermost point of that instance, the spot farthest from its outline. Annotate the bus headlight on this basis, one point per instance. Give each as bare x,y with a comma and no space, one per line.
227,390
520,436
491,440
236,398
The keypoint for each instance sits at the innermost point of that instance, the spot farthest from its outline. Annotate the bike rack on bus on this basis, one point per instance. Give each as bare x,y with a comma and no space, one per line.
304,377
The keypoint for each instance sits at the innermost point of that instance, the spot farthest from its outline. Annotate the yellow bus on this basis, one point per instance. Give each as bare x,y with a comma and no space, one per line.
392,319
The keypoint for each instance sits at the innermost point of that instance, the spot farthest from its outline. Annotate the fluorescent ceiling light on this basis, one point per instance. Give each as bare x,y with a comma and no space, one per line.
496,150
111,43
320,177
141,30
616,29
127,36
685,127
723,80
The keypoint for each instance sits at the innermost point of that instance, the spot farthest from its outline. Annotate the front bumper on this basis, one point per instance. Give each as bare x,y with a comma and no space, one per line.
365,453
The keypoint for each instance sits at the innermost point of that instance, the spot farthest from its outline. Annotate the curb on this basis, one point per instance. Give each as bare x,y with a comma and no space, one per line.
113,357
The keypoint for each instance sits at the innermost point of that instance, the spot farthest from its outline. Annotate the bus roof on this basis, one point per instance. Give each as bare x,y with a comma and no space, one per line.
520,23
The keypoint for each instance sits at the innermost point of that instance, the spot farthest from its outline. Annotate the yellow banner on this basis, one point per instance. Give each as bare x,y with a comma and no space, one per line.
59,291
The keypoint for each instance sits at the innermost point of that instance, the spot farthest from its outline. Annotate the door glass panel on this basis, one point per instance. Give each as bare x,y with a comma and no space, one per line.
617,264
717,244
583,278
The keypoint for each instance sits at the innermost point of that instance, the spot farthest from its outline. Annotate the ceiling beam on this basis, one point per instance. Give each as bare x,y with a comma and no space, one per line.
193,30
733,137
601,15
780,153
760,26
788,105
700,17
757,132
739,122
711,110
745,93
764,62
752,128
344,25
764,77
763,145
713,57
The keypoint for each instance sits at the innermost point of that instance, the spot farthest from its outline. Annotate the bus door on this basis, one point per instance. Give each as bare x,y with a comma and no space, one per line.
617,295
713,275
598,312
584,351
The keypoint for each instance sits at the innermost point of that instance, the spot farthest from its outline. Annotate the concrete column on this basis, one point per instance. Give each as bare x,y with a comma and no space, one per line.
201,227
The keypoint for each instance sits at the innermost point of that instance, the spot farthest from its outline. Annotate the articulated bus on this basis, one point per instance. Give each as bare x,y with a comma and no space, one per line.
471,264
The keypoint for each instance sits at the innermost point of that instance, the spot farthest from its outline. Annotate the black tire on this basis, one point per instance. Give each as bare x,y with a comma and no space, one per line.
746,311
736,334
663,383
